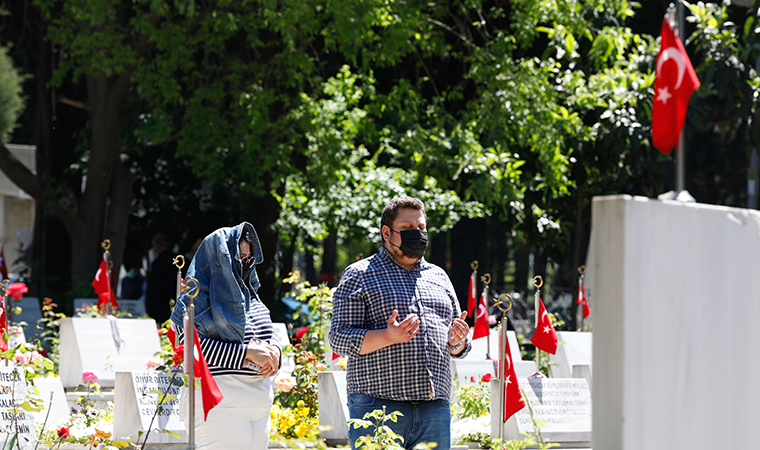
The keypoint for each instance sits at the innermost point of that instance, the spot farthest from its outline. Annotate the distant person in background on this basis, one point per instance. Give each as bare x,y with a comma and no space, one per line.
132,284
162,280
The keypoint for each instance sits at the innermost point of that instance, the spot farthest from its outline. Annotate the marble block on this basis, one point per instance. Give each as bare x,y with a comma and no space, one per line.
676,291
59,408
462,370
562,404
583,371
333,407
281,330
91,344
135,406
31,312
480,346
574,349
12,393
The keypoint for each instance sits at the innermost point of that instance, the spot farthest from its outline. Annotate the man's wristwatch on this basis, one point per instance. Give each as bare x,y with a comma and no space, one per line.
455,348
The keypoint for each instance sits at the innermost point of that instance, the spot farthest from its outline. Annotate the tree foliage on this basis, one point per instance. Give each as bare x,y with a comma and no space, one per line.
11,101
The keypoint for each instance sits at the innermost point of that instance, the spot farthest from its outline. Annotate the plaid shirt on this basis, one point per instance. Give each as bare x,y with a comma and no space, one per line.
368,293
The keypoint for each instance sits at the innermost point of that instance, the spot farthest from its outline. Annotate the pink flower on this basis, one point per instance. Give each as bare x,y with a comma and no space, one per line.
151,364
486,378
16,290
35,357
22,358
89,376
285,383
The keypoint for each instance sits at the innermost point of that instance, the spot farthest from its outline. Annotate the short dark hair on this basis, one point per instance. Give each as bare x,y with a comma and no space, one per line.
391,210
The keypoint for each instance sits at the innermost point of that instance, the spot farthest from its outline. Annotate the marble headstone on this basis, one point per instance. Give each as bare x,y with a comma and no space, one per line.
106,346
574,349
12,418
563,405
333,407
135,407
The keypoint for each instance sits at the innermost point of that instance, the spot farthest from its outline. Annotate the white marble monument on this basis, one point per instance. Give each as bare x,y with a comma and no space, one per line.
106,346
676,290
574,349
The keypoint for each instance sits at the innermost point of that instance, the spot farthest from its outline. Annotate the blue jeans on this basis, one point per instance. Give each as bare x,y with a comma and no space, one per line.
422,421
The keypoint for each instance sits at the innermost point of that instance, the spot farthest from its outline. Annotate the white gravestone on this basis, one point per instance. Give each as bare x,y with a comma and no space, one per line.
332,396
59,407
13,419
676,291
574,349
136,404
31,312
281,331
563,405
135,307
106,346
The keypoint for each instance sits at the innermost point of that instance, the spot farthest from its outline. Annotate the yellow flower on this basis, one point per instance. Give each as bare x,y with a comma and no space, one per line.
342,363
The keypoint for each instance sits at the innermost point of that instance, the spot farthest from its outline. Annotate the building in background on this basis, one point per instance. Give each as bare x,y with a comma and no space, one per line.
16,210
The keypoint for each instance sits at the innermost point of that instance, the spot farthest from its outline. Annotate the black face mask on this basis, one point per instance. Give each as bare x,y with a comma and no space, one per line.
413,242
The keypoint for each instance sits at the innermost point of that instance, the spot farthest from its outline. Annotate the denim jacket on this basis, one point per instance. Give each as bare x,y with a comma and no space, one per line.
223,299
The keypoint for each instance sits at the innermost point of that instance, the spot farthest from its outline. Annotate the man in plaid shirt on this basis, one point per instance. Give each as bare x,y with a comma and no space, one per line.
398,319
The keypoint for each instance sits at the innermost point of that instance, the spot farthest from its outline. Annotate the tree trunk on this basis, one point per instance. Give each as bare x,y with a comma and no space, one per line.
329,259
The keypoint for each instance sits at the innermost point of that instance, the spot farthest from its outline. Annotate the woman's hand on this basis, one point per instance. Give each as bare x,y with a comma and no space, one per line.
264,356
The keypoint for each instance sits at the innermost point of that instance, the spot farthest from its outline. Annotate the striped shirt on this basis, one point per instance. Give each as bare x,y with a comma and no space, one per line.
228,358
368,292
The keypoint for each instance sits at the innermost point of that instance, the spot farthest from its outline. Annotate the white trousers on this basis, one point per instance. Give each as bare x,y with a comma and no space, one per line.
241,420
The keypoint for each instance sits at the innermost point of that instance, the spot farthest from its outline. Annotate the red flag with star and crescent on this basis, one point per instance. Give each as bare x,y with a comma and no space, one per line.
513,400
481,320
472,296
675,81
583,299
545,336
210,392
102,285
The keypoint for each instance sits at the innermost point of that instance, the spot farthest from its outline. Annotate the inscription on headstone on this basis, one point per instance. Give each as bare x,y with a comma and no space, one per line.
13,419
562,407
147,386
136,402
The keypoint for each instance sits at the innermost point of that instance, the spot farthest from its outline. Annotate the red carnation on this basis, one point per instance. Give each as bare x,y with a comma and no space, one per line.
63,432
300,332
486,378
179,353
16,290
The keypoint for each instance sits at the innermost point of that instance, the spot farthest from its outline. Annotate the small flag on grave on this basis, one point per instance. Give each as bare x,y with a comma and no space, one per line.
481,321
545,336
513,401
583,299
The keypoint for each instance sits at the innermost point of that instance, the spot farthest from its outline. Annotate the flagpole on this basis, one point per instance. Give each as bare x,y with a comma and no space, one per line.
581,274
106,244
537,282
189,323
680,151
502,361
179,262
486,279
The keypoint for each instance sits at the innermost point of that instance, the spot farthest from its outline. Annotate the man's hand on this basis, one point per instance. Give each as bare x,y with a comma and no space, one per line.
394,333
404,331
459,330
264,356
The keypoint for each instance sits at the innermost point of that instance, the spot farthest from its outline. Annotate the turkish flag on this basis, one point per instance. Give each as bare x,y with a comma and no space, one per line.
582,299
481,321
674,83
513,400
471,296
3,266
212,396
545,337
102,285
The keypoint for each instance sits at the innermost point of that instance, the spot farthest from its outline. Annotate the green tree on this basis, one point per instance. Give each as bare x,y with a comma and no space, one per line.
11,101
